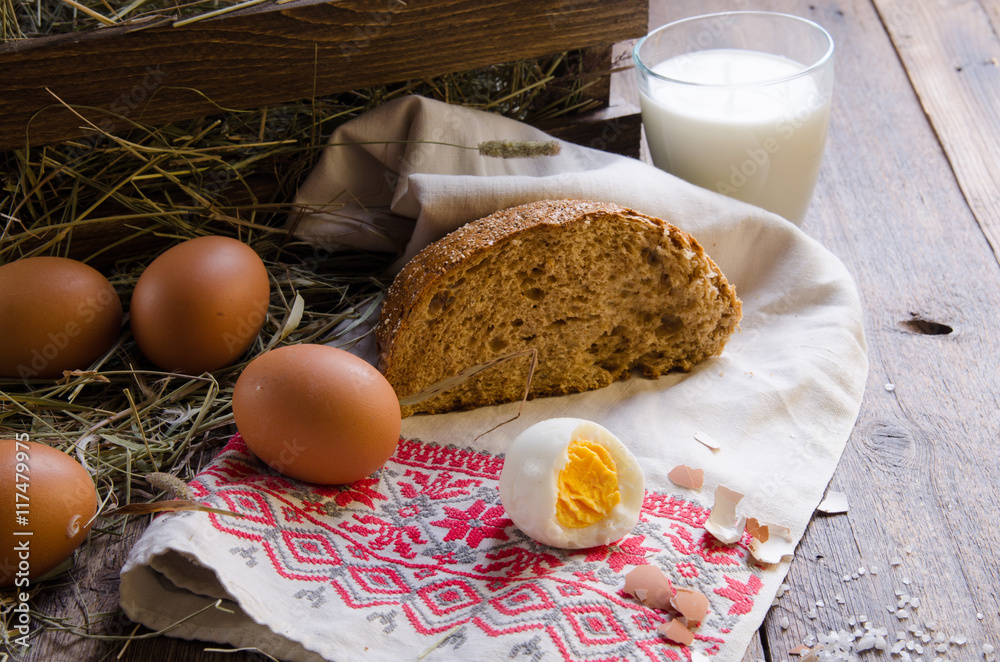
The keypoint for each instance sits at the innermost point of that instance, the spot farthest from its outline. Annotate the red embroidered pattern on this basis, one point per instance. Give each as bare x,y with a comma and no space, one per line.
428,540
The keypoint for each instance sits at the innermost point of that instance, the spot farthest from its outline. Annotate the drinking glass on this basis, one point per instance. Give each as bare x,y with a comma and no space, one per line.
739,103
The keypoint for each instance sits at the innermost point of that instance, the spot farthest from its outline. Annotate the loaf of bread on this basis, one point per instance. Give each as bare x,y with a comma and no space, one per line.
598,290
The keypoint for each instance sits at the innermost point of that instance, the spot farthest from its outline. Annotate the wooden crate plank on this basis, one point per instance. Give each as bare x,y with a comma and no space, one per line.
275,53
615,129
952,55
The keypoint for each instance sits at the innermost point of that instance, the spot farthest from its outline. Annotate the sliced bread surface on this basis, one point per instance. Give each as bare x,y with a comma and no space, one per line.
597,289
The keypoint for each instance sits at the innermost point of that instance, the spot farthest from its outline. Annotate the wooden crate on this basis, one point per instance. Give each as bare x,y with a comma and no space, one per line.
273,53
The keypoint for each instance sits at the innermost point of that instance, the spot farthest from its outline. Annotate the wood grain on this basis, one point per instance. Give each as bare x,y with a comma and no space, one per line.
951,53
907,201
274,53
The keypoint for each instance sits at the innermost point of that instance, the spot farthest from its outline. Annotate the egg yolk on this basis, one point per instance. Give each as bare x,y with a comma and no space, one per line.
588,485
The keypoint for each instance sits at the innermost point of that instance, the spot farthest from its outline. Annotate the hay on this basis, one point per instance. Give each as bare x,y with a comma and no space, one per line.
22,19
117,202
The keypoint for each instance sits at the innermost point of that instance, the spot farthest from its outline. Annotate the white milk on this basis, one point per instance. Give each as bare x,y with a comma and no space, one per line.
759,143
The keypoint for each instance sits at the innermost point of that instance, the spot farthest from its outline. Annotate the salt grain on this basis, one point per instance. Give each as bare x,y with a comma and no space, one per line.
889,386
865,643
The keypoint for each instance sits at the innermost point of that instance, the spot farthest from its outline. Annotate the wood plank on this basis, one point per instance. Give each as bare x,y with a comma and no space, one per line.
889,205
952,55
274,53
920,468
755,652
615,129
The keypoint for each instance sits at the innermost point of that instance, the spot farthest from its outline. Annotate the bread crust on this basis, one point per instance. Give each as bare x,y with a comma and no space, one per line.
421,279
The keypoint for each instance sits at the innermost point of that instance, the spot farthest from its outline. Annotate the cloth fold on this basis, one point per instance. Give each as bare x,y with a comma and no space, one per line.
421,556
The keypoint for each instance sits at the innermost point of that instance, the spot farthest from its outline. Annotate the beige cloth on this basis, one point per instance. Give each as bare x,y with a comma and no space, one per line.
780,402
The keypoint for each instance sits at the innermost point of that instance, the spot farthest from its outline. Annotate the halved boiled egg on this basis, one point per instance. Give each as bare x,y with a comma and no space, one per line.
570,483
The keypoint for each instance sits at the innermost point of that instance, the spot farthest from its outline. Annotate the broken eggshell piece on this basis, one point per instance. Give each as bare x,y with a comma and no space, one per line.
757,530
692,605
833,504
685,476
676,632
650,586
722,522
776,545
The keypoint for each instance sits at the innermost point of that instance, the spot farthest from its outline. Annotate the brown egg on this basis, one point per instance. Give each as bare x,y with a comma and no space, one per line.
55,314
200,305
44,493
317,413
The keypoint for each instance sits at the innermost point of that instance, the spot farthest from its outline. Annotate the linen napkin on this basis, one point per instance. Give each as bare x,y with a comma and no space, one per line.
420,559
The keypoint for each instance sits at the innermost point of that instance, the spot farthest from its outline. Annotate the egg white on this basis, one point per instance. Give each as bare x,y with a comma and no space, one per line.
529,484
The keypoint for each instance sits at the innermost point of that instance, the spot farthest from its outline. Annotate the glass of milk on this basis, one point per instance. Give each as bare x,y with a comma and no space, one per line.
739,102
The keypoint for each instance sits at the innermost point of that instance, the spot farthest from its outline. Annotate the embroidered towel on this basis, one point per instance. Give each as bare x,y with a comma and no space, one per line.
421,558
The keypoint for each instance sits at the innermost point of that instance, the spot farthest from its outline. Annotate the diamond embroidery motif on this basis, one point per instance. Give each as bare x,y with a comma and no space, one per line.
595,625
448,596
523,599
426,545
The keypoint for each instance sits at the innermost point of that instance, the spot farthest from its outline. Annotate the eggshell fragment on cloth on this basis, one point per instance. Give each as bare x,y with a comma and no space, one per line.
685,476
691,604
757,530
722,522
777,544
687,607
650,586
676,632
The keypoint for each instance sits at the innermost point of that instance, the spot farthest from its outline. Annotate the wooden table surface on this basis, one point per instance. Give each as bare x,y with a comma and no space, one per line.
908,198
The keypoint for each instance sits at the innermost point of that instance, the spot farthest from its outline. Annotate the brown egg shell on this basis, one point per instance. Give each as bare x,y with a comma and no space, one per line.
199,305
317,414
61,502
56,314
648,584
